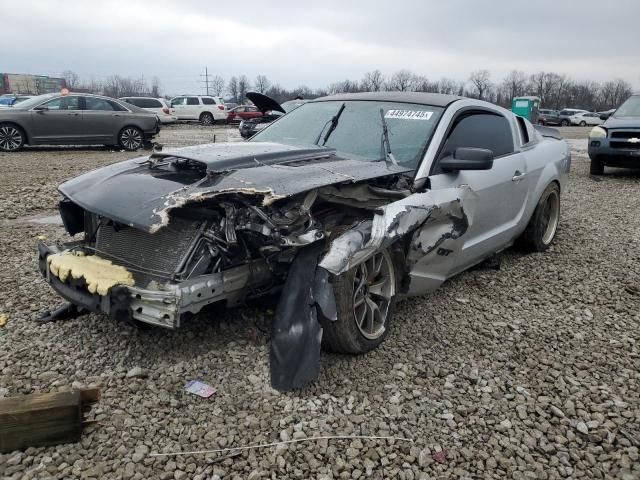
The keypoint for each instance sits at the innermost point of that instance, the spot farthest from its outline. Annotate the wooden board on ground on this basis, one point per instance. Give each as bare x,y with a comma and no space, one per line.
41,419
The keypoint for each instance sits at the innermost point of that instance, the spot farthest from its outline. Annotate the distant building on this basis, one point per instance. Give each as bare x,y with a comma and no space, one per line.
30,84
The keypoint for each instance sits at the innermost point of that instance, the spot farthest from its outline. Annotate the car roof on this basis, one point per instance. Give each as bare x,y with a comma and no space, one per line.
433,99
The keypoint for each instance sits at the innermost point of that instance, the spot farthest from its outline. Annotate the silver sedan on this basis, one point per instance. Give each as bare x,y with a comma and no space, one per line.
75,120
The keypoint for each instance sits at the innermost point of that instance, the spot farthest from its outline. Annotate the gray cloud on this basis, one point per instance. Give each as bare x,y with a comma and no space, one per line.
314,44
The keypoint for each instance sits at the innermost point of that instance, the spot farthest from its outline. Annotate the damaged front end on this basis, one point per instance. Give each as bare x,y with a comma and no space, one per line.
172,233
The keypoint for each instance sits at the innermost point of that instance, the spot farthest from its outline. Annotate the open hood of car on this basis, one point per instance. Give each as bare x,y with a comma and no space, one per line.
141,192
264,103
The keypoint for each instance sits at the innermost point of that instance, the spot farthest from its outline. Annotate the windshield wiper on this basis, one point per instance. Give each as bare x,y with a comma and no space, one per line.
386,146
334,124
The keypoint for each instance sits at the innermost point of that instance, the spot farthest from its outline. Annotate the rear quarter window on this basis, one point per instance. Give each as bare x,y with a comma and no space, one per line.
208,101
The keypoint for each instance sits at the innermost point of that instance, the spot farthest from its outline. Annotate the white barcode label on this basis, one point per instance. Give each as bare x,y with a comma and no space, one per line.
409,114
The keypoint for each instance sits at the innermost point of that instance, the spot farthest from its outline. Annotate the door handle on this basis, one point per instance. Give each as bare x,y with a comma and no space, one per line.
517,176
73,114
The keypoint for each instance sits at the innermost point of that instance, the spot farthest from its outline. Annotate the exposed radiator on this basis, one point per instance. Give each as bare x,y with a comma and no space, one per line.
160,253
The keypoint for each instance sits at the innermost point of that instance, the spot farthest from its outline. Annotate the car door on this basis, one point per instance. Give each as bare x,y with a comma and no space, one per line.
500,193
58,121
103,120
179,104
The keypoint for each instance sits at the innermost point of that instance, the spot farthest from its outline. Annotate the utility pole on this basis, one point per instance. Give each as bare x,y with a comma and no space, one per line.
206,79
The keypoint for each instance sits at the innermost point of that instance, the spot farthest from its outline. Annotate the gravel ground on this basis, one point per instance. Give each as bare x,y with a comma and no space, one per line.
529,371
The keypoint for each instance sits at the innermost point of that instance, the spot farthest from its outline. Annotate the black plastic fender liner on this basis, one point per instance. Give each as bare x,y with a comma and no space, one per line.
296,332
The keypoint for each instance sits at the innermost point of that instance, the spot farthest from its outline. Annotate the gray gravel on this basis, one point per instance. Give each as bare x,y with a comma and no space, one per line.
531,371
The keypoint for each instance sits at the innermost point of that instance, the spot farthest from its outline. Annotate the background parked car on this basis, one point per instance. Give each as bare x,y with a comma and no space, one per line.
567,113
203,108
548,117
606,114
159,106
10,100
243,112
584,119
75,120
271,111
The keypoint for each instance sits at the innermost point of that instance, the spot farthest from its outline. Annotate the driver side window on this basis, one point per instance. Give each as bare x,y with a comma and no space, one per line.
479,130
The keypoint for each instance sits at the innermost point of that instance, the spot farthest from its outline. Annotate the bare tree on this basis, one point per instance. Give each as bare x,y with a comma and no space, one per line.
216,84
402,80
243,87
514,85
345,86
262,83
481,81
372,81
155,87
71,79
232,88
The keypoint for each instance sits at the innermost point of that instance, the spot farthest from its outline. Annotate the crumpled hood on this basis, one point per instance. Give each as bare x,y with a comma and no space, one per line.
622,122
140,192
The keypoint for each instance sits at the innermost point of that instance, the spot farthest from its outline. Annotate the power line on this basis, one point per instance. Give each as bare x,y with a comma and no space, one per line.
206,79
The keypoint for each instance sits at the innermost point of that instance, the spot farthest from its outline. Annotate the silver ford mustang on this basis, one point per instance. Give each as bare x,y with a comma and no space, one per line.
342,206
75,119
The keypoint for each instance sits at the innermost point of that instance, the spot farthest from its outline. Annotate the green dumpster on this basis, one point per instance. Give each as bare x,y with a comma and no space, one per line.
526,107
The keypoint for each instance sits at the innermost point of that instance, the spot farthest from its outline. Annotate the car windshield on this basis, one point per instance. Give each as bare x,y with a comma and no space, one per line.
630,108
359,130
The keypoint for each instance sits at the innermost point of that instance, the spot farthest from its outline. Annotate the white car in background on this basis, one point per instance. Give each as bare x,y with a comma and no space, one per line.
204,108
159,106
585,118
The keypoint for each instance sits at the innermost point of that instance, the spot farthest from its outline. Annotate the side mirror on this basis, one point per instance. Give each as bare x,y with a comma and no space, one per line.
468,158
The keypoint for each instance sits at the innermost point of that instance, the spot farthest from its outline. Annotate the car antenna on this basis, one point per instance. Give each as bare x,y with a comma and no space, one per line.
386,145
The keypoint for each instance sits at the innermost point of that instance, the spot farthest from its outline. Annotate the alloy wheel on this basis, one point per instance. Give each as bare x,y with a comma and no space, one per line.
131,138
550,216
373,289
11,138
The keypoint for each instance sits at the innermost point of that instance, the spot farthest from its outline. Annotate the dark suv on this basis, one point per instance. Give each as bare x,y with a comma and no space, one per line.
617,141
548,117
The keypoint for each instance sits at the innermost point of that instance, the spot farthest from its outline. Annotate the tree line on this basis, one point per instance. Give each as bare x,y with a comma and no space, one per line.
555,90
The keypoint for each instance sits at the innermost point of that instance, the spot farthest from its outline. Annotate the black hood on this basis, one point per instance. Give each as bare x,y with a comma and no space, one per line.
264,103
140,192
622,122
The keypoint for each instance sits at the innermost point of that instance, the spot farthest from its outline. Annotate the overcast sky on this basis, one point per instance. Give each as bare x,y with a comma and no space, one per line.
315,43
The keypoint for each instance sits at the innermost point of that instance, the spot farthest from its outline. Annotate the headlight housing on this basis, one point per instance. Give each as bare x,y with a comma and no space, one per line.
598,132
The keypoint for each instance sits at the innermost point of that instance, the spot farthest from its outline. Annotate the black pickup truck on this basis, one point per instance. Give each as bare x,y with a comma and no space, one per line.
617,141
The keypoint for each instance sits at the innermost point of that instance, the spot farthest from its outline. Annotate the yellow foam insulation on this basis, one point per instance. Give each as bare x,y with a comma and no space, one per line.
99,273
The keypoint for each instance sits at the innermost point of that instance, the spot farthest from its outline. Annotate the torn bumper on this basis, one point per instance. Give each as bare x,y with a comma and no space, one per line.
162,307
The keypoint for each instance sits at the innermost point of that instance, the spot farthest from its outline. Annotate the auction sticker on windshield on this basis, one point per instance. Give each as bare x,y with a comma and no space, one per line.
409,114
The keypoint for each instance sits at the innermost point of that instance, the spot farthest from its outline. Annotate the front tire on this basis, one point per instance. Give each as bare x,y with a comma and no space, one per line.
543,225
12,138
583,124
596,167
131,138
365,300
564,123
206,119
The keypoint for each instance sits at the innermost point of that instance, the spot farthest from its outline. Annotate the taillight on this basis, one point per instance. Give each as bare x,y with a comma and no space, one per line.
221,107
165,110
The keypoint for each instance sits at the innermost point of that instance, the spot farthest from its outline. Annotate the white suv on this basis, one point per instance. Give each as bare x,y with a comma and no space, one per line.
204,108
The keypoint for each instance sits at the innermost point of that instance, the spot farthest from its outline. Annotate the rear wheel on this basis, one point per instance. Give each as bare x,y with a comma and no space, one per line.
12,138
543,225
564,123
597,167
131,138
206,119
365,298
583,123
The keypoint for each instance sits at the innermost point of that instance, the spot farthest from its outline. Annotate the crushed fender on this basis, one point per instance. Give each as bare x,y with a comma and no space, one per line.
296,333
434,216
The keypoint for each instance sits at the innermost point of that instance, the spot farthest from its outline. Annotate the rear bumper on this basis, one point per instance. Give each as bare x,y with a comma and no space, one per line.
158,307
